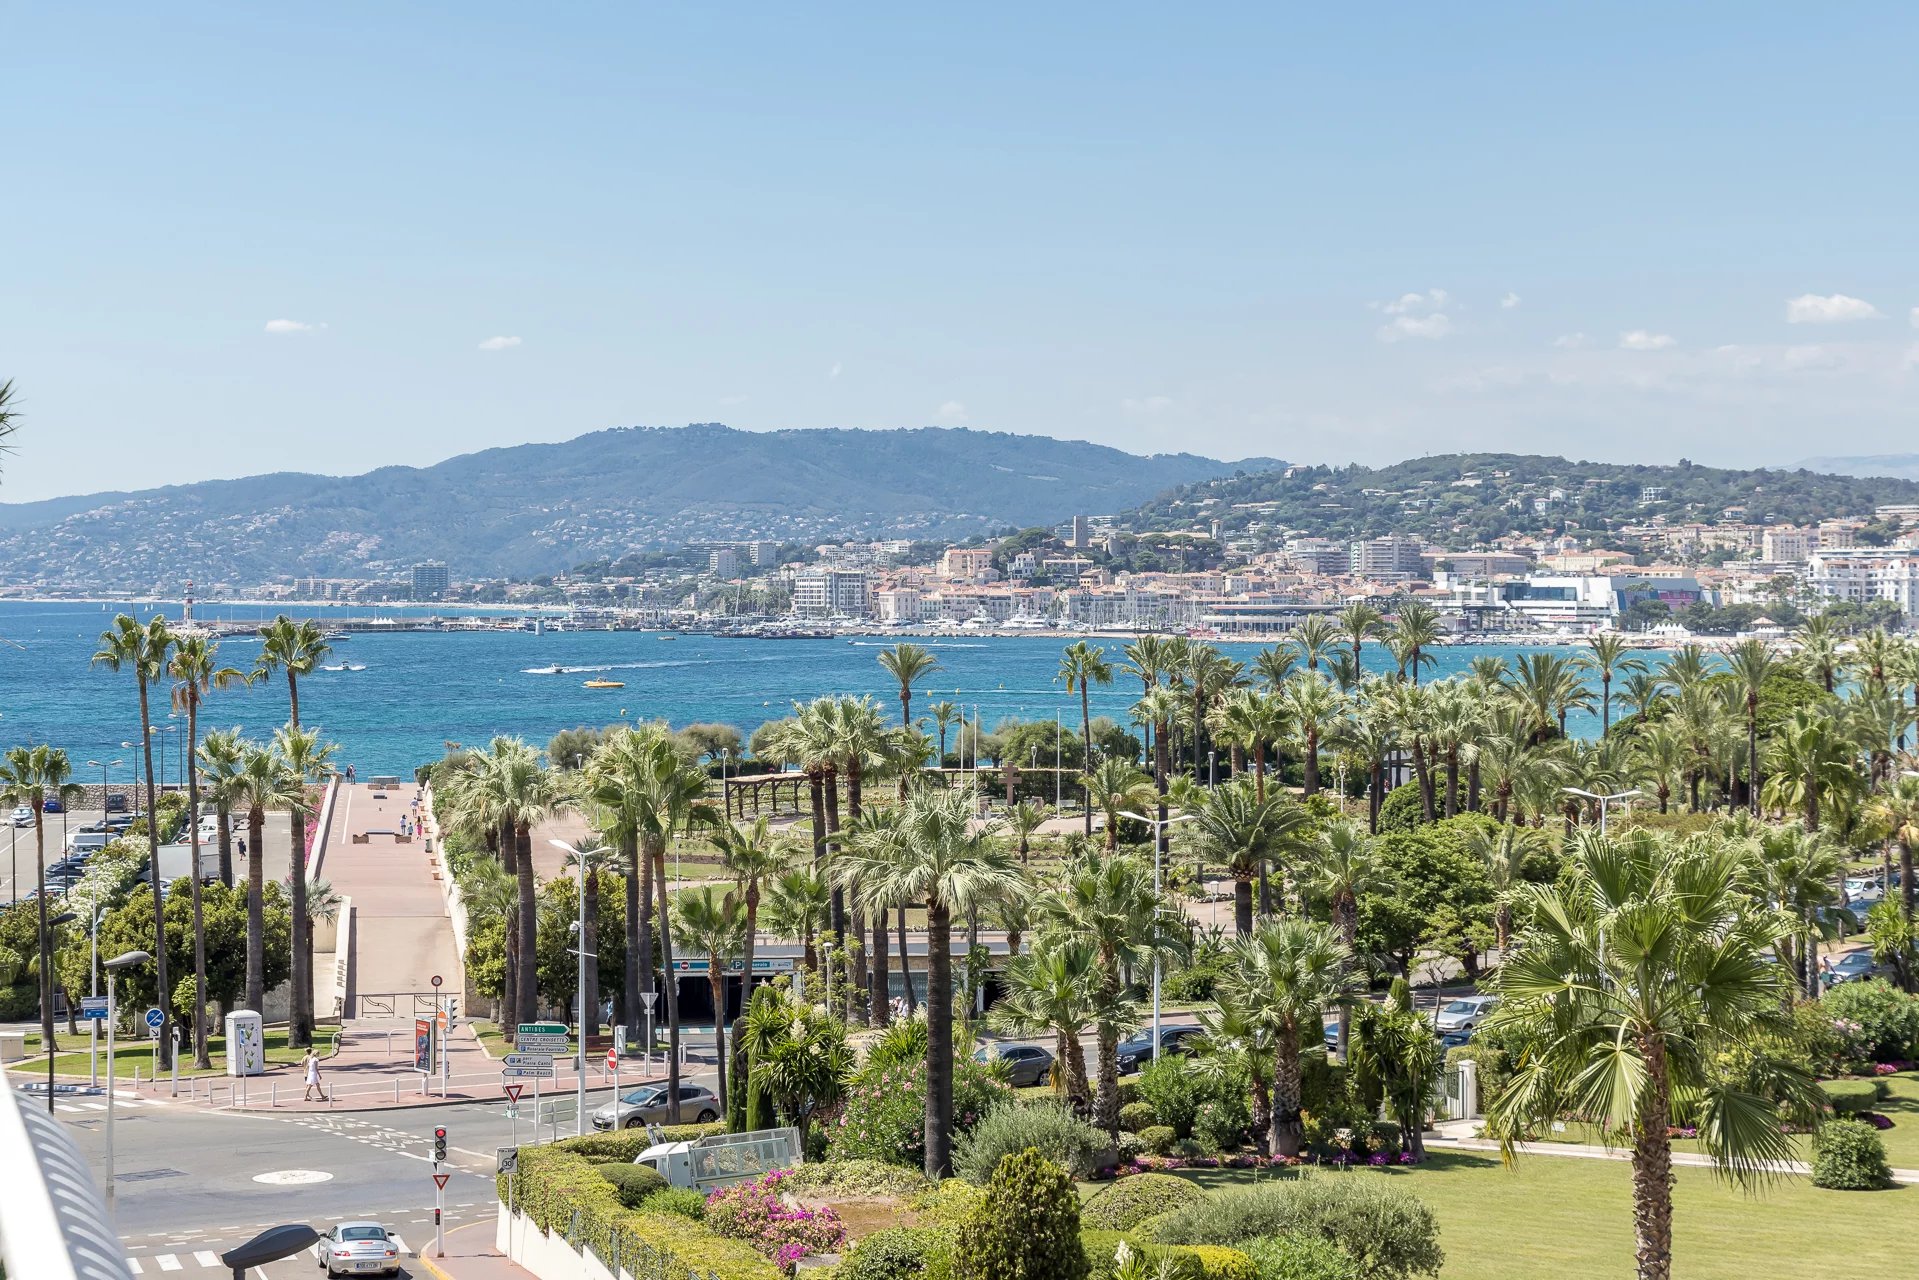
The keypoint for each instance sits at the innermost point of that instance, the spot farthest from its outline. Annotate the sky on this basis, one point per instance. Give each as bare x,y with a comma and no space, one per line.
328,238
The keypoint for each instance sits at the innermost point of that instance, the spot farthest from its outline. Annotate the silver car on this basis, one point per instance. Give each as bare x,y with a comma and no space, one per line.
359,1249
648,1105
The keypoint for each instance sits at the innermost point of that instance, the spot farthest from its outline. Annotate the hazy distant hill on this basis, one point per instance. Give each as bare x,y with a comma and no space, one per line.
1905,466
540,508
1459,499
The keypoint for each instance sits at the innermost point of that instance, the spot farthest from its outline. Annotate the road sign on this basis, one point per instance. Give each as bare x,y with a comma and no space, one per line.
528,1066
439,1180
513,1091
542,1029
436,979
648,997
155,1018
612,1060
94,1007
507,1159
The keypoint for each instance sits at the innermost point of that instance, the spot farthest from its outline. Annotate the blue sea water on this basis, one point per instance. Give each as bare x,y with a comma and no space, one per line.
422,690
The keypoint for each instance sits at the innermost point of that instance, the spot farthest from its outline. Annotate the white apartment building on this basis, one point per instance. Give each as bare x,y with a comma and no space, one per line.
1387,557
966,563
1860,577
1320,556
820,593
1784,545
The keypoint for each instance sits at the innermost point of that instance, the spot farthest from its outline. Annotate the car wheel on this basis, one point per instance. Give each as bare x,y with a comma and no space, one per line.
633,1122
708,1116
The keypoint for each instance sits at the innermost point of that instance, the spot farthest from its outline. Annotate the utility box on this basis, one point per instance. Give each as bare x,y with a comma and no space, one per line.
246,1043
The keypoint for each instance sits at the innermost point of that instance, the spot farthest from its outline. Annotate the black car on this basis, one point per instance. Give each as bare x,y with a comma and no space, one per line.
116,802
1135,1053
1026,1064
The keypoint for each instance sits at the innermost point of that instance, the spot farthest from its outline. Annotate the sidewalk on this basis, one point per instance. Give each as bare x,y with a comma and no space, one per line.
1459,1138
470,1255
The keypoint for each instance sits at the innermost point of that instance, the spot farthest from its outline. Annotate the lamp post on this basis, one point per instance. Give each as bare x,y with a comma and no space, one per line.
579,983
93,989
114,966
46,989
1604,802
1157,824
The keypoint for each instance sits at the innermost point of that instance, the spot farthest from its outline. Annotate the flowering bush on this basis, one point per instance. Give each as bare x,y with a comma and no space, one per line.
1877,1021
754,1213
883,1115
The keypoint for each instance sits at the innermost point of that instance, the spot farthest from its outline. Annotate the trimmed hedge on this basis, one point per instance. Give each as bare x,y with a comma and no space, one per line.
900,1253
1850,1097
855,1178
633,1182
1130,1201
1386,1229
1135,1116
552,1184
624,1144
1848,1156
1158,1139
1173,1261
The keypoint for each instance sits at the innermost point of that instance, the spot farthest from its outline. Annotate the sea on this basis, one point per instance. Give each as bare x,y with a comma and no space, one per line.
417,692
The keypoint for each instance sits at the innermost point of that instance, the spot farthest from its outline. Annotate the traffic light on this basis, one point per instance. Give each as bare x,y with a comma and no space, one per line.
439,1145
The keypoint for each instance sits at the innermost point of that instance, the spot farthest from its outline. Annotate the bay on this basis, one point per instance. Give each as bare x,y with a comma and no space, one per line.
422,690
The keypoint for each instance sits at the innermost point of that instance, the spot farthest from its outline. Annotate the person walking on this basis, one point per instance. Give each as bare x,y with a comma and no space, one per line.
310,1065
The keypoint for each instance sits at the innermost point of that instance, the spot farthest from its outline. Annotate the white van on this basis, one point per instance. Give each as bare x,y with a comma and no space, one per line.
87,841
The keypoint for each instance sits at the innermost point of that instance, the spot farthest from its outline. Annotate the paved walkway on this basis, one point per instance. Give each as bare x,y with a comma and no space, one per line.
1583,1151
402,936
470,1255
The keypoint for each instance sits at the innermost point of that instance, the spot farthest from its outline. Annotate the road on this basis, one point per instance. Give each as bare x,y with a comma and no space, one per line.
193,1183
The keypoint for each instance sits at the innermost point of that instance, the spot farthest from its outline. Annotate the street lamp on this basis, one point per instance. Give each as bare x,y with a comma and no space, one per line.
1604,802
46,936
579,952
1158,825
113,966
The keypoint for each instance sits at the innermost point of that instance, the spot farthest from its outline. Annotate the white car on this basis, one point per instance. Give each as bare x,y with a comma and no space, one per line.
22,816
1463,1013
359,1249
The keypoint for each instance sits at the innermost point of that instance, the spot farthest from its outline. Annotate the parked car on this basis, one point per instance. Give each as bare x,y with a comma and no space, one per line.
359,1249
1026,1064
53,805
648,1105
1136,1052
1463,1013
1854,966
1454,1039
117,802
23,816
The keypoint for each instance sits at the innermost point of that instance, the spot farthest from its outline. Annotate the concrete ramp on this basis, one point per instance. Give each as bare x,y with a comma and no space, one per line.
400,937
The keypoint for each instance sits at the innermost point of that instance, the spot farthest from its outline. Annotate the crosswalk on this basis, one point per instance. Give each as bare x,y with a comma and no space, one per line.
206,1259
82,1105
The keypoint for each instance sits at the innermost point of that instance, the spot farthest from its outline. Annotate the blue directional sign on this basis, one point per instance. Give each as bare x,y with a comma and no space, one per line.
94,1007
155,1018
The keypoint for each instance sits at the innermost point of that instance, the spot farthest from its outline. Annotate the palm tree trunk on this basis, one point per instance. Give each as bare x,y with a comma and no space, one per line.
658,859
1287,1131
716,977
202,1058
1072,1057
590,958
1605,702
1452,780
529,922
1422,769
1106,1097
1086,750
1752,754
881,1007
161,985
1652,1168
1312,760
1262,1110
906,967
226,843
939,1039
256,909
638,927
300,1021
1242,901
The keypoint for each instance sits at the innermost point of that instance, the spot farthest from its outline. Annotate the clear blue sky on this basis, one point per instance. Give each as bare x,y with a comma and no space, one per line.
1156,226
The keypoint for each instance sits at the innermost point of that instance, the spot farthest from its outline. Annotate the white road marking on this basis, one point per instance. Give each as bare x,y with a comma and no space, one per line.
169,1262
399,1243
133,1264
206,1257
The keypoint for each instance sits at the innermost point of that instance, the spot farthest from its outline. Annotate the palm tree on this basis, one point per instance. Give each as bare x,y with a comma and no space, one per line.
1246,720
797,907
1276,663
1642,691
1897,808
490,894
195,667
1662,756
297,648
1151,656
1023,819
1158,707
752,857
1749,664
1358,622
9,416
1240,831
1287,975
1503,851
1630,981
1819,653
942,861
264,782
31,776
1610,656
1316,637
1207,672
908,664
1054,989
1081,667
1341,864
945,716
308,759
1115,788
219,762
711,921
1311,706
1794,872
144,650
1810,760
588,859
1417,629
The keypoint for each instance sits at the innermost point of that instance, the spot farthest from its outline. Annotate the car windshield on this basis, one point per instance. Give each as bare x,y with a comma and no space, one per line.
641,1097
1461,1006
362,1233
1857,960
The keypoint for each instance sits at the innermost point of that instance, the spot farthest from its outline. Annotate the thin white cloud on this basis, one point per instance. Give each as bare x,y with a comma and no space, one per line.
1414,303
1811,308
834,372
1510,301
1641,340
500,343
1146,404
1431,327
1572,341
952,411
292,326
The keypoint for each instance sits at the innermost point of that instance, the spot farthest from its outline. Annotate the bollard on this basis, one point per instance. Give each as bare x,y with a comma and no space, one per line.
274,1101
396,1091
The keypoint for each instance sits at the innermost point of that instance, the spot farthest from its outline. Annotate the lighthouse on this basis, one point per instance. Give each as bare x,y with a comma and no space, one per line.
186,611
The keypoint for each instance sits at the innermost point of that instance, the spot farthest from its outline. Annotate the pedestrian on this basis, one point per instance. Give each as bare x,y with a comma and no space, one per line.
311,1066
243,846
349,775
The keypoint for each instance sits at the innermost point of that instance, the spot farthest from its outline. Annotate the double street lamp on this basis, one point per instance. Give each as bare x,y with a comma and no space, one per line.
1604,802
1159,826
123,961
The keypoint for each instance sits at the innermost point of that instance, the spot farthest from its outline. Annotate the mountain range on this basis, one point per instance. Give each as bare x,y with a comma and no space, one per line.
540,508
1904,466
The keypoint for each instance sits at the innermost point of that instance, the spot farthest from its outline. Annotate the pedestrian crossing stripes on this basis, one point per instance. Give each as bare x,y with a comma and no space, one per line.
206,1259
84,1105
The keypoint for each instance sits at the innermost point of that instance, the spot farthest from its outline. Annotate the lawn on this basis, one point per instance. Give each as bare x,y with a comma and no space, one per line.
1571,1219
129,1054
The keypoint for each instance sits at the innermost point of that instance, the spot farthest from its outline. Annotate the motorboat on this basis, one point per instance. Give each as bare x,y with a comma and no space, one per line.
601,682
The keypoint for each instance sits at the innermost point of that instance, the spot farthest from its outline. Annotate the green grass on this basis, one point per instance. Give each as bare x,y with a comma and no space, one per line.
127,1055
1571,1219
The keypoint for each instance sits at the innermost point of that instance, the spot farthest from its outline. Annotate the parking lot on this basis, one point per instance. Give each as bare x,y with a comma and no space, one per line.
17,872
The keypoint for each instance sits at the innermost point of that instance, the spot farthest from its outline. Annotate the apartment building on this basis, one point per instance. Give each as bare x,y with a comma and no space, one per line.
1394,555
1783,544
1859,576
820,593
966,563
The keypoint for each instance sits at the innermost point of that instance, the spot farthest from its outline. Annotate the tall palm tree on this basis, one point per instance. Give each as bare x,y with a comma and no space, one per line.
588,860
1503,851
711,921
1610,656
295,648
1662,757
144,650
9,415
1159,707
264,782
1150,657
797,907
1054,990
1246,720
1117,787
1081,666
1897,808
1630,980
1795,872
1207,672
1358,623
1276,663
31,776
196,670
1819,654
1749,664
309,759
1316,637
1023,820
1642,691
945,716
1417,629
1811,760
908,664
1343,863
1311,707
943,861
219,765
1237,829
752,857
1287,975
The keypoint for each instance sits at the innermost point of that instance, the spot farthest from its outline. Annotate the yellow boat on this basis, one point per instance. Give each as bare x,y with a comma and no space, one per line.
603,684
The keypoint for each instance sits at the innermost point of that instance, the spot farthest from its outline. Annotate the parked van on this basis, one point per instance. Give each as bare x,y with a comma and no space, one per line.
87,842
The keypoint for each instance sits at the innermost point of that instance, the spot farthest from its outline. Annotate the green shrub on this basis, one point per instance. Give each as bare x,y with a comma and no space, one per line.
633,1182
949,1204
1217,1262
623,1144
684,1201
1850,1097
1886,1018
1130,1201
1388,1231
1159,1139
1135,1116
1221,1122
900,1253
1025,1228
1848,1156
1161,1261
883,1116
1169,1085
856,1178
552,1184
1301,1258
1054,1132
